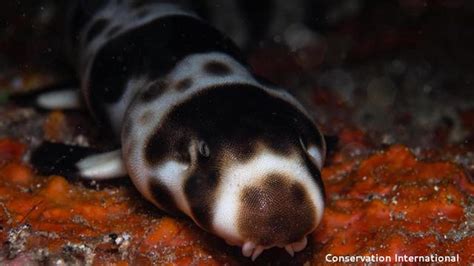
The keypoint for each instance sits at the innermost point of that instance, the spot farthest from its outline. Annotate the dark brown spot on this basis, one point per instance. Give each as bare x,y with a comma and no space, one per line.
278,211
95,29
146,117
166,143
155,149
243,151
162,195
217,68
195,187
184,84
153,91
284,147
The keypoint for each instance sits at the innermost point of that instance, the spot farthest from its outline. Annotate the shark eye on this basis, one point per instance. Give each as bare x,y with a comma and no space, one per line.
314,153
204,149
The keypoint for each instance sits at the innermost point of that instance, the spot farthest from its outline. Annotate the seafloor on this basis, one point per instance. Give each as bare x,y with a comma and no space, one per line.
393,81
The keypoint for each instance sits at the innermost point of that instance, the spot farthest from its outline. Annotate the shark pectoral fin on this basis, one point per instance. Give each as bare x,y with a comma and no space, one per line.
102,166
66,99
77,162
63,95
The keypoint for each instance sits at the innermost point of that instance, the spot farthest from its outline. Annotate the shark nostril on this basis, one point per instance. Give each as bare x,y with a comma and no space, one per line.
275,211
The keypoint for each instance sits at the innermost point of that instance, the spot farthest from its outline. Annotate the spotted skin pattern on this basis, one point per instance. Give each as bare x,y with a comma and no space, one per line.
200,134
